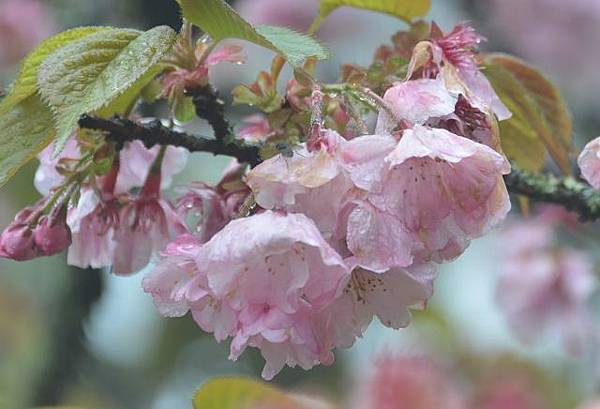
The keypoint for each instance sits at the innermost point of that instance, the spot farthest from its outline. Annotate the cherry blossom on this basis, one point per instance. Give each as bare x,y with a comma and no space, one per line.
434,189
309,182
93,222
146,224
261,280
388,296
589,163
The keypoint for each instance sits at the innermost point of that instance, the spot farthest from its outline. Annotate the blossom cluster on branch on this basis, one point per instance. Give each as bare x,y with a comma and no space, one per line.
342,216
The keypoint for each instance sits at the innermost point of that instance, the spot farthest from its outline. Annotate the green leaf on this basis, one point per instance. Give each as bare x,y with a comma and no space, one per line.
220,21
27,128
26,82
102,69
406,10
541,121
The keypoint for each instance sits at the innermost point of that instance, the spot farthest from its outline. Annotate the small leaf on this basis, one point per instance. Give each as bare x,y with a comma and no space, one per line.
99,70
220,21
406,10
27,129
26,82
540,121
240,393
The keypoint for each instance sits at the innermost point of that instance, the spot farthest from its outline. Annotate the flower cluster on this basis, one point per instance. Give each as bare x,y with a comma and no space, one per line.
336,226
346,228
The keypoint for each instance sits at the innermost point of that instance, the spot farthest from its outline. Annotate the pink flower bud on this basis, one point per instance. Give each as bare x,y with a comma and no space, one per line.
52,235
17,243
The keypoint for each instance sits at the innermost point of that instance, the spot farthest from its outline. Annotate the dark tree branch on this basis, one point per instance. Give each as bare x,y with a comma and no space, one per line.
121,130
574,195
211,108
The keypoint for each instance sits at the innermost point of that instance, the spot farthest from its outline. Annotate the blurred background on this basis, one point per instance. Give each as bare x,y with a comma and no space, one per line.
89,338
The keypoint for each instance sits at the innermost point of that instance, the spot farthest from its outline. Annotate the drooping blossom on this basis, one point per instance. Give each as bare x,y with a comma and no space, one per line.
589,163
404,382
545,287
433,189
255,130
135,161
388,296
93,223
261,280
212,207
146,225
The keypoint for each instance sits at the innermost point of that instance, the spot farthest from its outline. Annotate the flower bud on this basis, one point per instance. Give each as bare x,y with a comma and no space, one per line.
52,235
17,242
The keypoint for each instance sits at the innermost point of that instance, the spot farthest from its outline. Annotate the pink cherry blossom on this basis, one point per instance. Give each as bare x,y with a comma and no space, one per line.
401,382
438,188
146,224
175,282
261,280
93,223
255,130
388,296
416,102
589,163
452,59
276,271
214,206
309,182
545,287
135,161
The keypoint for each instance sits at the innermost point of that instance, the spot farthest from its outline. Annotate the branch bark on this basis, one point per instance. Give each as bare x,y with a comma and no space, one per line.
121,130
574,195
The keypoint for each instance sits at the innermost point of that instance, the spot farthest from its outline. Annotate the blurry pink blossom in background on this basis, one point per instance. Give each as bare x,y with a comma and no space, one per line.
401,382
553,34
509,394
546,286
23,24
